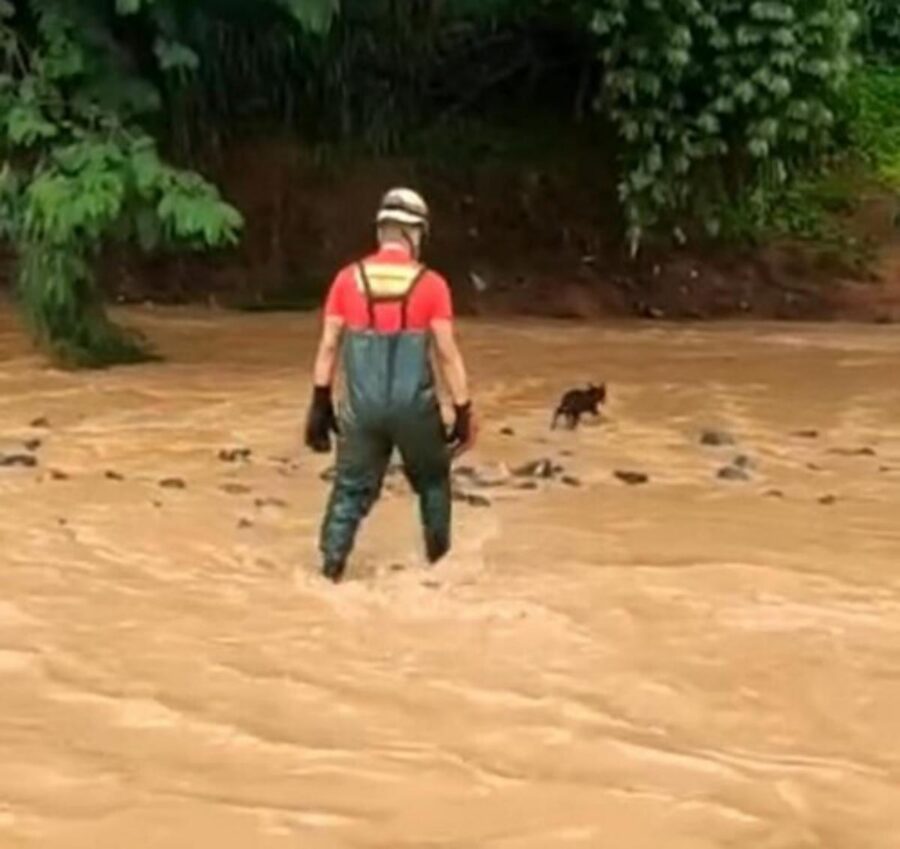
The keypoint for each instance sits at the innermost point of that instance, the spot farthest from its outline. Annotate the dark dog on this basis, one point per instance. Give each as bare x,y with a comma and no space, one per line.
578,402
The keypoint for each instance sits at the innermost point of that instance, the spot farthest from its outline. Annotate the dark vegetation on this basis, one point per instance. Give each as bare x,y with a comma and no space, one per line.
668,123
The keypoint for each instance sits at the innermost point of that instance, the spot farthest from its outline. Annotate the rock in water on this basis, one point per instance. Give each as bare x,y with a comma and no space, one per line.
774,493
742,461
733,473
828,500
57,475
537,469
114,476
40,422
716,438
23,460
329,475
234,455
570,480
507,431
854,452
806,434
632,478
32,445
173,483
235,488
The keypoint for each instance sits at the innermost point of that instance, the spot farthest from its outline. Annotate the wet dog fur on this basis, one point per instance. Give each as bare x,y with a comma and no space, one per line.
577,403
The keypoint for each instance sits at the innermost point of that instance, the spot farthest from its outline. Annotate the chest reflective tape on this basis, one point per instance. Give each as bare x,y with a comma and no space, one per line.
385,282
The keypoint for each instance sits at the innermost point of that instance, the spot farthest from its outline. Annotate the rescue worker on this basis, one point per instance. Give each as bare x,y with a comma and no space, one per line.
383,318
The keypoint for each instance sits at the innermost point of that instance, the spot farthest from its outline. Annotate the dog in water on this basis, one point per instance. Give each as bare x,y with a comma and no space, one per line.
579,402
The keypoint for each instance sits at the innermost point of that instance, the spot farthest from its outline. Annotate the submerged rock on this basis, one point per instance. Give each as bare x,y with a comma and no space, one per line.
828,500
716,438
113,476
23,460
236,488
234,455
806,434
571,480
632,478
544,468
40,422
173,483
774,493
733,473
32,444
854,452
57,475
329,475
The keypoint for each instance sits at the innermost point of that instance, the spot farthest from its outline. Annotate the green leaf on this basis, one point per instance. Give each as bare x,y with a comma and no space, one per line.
128,7
173,55
26,125
7,10
313,15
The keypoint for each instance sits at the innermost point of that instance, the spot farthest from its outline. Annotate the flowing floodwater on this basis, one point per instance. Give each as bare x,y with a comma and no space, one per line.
689,663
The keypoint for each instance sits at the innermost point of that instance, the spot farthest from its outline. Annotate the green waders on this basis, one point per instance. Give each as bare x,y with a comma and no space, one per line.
389,402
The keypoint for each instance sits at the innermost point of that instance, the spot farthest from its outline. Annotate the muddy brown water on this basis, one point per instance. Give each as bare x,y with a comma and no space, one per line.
690,663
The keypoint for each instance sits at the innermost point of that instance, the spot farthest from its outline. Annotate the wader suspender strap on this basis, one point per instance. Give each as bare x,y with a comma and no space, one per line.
404,301
412,288
370,304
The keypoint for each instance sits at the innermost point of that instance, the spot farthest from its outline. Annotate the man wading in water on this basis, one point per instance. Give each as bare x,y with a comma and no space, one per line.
382,314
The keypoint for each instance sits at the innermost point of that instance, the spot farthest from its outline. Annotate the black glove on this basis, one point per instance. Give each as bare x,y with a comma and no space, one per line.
462,425
321,421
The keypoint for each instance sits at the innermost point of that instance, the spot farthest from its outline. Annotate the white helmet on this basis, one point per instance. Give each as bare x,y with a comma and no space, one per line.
404,206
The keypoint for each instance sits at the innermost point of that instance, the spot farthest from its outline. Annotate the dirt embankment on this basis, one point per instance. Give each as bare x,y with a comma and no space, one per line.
513,237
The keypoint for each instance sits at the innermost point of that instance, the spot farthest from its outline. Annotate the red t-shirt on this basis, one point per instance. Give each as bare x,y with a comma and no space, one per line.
429,301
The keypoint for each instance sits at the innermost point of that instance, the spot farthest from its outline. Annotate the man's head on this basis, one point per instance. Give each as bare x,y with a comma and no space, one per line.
403,216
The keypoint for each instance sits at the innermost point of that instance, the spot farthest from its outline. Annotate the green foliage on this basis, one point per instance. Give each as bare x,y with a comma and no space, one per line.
873,121
379,73
881,19
717,99
80,170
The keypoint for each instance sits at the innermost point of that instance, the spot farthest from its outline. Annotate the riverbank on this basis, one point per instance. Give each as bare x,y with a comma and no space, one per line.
536,234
